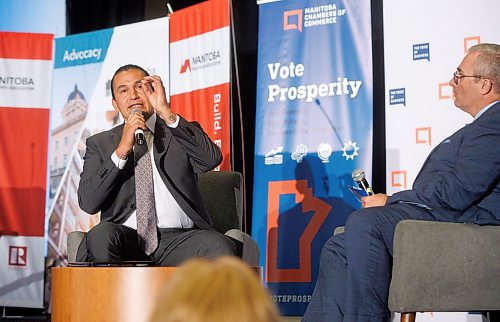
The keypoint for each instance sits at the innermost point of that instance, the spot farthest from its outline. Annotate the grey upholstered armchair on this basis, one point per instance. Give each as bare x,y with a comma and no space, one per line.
444,267
223,194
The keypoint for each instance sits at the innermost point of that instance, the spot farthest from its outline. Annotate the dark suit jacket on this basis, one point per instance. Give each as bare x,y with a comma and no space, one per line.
179,153
460,180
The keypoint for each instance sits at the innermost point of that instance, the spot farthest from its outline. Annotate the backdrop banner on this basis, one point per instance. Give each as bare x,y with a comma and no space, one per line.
421,54
81,96
200,70
313,128
25,83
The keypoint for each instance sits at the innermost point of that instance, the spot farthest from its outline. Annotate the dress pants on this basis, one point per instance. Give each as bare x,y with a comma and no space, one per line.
110,242
356,266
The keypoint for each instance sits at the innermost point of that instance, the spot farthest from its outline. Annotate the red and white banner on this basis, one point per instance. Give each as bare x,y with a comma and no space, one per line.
25,93
200,70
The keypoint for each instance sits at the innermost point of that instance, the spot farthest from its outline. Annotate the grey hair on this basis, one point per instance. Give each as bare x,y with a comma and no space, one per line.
487,63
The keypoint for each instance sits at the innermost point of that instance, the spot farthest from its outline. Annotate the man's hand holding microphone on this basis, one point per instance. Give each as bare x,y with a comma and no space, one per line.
133,131
137,97
372,199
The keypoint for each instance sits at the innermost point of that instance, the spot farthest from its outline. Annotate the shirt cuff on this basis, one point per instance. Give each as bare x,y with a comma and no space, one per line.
120,164
176,123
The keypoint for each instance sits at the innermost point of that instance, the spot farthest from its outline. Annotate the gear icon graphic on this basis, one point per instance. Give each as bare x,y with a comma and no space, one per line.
350,150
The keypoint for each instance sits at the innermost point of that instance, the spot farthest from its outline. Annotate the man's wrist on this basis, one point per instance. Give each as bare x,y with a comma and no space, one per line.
122,155
169,117
172,118
119,163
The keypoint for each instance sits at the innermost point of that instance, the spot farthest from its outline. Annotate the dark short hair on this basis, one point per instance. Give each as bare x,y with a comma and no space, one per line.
124,68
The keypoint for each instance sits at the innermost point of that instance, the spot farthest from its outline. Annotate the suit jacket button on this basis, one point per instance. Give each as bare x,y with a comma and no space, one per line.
132,206
190,132
103,173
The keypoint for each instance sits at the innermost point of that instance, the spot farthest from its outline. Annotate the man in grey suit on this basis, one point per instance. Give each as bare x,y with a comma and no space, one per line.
179,150
459,182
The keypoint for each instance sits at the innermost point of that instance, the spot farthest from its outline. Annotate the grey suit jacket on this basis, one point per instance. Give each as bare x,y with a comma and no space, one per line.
460,180
180,154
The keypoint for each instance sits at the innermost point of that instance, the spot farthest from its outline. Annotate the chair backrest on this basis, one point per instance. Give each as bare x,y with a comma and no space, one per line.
445,267
222,192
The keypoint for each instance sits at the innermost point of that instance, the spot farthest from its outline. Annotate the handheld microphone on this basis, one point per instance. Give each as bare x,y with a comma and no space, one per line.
358,176
139,133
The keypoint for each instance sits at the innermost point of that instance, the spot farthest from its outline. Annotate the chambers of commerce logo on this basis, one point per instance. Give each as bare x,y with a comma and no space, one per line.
197,62
327,14
17,82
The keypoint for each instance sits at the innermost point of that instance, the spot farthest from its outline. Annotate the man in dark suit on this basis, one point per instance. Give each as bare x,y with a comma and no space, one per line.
179,150
459,182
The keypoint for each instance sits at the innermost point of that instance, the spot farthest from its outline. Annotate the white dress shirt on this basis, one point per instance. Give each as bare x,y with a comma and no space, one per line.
168,211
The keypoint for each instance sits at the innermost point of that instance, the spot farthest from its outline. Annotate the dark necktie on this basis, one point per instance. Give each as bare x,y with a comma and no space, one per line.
145,201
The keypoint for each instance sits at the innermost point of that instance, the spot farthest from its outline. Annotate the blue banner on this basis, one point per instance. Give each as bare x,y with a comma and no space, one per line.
82,49
313,128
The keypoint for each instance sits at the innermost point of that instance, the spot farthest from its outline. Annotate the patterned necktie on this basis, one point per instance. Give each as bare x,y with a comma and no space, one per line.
144,196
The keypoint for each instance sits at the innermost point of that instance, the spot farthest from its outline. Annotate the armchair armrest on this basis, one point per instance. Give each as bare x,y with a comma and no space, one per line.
74,240
250,252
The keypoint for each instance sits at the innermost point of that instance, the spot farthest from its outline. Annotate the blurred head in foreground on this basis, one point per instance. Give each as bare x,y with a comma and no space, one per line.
220,290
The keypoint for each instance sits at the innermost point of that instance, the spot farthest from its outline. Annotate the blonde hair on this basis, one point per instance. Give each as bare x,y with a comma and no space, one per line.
220,290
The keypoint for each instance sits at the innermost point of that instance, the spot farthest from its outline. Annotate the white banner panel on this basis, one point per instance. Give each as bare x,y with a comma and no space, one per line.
421,53
21,280
202,61
25,80
424,43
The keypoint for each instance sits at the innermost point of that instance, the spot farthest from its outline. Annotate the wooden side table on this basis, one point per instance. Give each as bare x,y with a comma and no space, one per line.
106,294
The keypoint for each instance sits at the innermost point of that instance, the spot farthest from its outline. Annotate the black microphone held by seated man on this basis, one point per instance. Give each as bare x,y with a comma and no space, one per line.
358,175
139,133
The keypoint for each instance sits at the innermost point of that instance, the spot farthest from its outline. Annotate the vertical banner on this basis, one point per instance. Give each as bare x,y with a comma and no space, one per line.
421,54
78,62
200,70
418,68
84,66
25,83
313,128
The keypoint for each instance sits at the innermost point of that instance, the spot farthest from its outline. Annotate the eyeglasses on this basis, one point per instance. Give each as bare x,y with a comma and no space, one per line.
457,75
